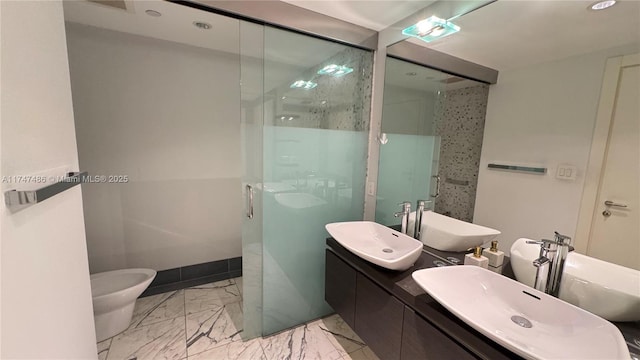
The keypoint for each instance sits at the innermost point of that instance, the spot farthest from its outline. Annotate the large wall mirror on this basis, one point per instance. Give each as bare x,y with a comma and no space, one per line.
551,108
431,136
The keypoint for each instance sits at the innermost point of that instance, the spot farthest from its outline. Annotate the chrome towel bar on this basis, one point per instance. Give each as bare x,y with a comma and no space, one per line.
18,198
527,169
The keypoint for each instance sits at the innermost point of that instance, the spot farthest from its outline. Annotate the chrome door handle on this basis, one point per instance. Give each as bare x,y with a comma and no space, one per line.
249,201
437,186
612,204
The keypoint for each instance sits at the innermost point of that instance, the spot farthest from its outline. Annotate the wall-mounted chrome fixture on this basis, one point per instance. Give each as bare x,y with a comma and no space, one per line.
431,29
202,25
153,13
527,169
15,199
382,138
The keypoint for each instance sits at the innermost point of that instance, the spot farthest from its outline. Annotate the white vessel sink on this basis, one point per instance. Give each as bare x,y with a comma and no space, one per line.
528,322
377,243
605,289
449,234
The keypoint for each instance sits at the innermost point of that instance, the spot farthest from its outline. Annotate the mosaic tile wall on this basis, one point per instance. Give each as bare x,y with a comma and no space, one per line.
461,128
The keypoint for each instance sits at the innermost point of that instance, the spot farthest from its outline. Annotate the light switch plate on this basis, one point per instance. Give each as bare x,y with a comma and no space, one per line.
566,172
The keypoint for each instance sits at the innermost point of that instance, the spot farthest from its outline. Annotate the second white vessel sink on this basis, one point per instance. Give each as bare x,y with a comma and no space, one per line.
605,289
528,322
377,243
448,234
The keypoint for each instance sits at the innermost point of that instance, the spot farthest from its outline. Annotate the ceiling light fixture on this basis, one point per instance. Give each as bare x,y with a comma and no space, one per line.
335,70
153,13
301,84
601,5
202,25
431,29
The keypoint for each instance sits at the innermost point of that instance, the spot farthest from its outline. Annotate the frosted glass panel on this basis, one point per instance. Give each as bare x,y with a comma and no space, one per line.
251,126
315,146
404,176
314,177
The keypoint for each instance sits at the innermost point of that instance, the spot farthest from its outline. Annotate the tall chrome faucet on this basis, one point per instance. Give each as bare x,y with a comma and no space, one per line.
553,254
420,204
406,210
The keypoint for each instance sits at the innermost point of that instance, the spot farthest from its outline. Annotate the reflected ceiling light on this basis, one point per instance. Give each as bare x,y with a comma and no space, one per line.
301,84
335,70
202,25
601,5
287,117
431,29
153,13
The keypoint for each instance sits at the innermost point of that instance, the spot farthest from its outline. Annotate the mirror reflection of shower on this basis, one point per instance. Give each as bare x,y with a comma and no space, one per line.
433,124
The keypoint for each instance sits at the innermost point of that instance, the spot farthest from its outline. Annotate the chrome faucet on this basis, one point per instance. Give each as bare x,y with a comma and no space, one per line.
406,210
419,211
553,253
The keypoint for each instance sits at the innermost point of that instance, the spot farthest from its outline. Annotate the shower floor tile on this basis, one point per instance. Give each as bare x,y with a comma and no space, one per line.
205,323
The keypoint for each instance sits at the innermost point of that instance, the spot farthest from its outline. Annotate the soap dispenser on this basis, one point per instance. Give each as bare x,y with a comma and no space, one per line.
476,258
495,256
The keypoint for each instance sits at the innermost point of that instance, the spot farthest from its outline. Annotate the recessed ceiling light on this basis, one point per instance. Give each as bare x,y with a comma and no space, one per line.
153,13
202,25
601,5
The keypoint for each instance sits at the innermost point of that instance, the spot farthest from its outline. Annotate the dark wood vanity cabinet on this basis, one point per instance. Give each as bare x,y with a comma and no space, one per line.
378,319
421,340
340,288
390,328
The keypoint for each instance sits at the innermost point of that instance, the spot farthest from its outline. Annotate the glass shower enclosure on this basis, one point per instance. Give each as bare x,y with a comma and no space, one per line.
305,112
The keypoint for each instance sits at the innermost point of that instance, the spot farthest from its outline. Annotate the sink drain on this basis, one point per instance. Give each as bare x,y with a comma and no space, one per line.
387,250
519,320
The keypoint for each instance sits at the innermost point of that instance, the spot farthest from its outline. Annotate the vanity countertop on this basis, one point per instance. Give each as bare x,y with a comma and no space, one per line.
403,287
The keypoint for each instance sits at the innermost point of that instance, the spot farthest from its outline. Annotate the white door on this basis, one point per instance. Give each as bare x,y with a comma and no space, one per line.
615,229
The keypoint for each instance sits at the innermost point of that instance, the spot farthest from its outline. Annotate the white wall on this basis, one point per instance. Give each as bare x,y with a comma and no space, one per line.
167,115
46,295
539,115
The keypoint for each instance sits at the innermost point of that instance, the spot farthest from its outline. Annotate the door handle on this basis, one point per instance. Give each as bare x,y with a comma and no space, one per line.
249,201
437,186
612,204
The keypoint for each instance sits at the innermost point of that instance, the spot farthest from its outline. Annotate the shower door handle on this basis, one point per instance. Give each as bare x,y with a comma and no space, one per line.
437,186
249,201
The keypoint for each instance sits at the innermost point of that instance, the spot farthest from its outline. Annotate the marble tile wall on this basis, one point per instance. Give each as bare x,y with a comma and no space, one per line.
205,322
461,128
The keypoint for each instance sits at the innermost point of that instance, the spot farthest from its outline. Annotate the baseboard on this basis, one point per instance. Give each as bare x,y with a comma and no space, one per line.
193,275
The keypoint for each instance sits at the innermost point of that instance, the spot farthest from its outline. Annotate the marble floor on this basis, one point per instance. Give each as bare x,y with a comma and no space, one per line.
205,322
